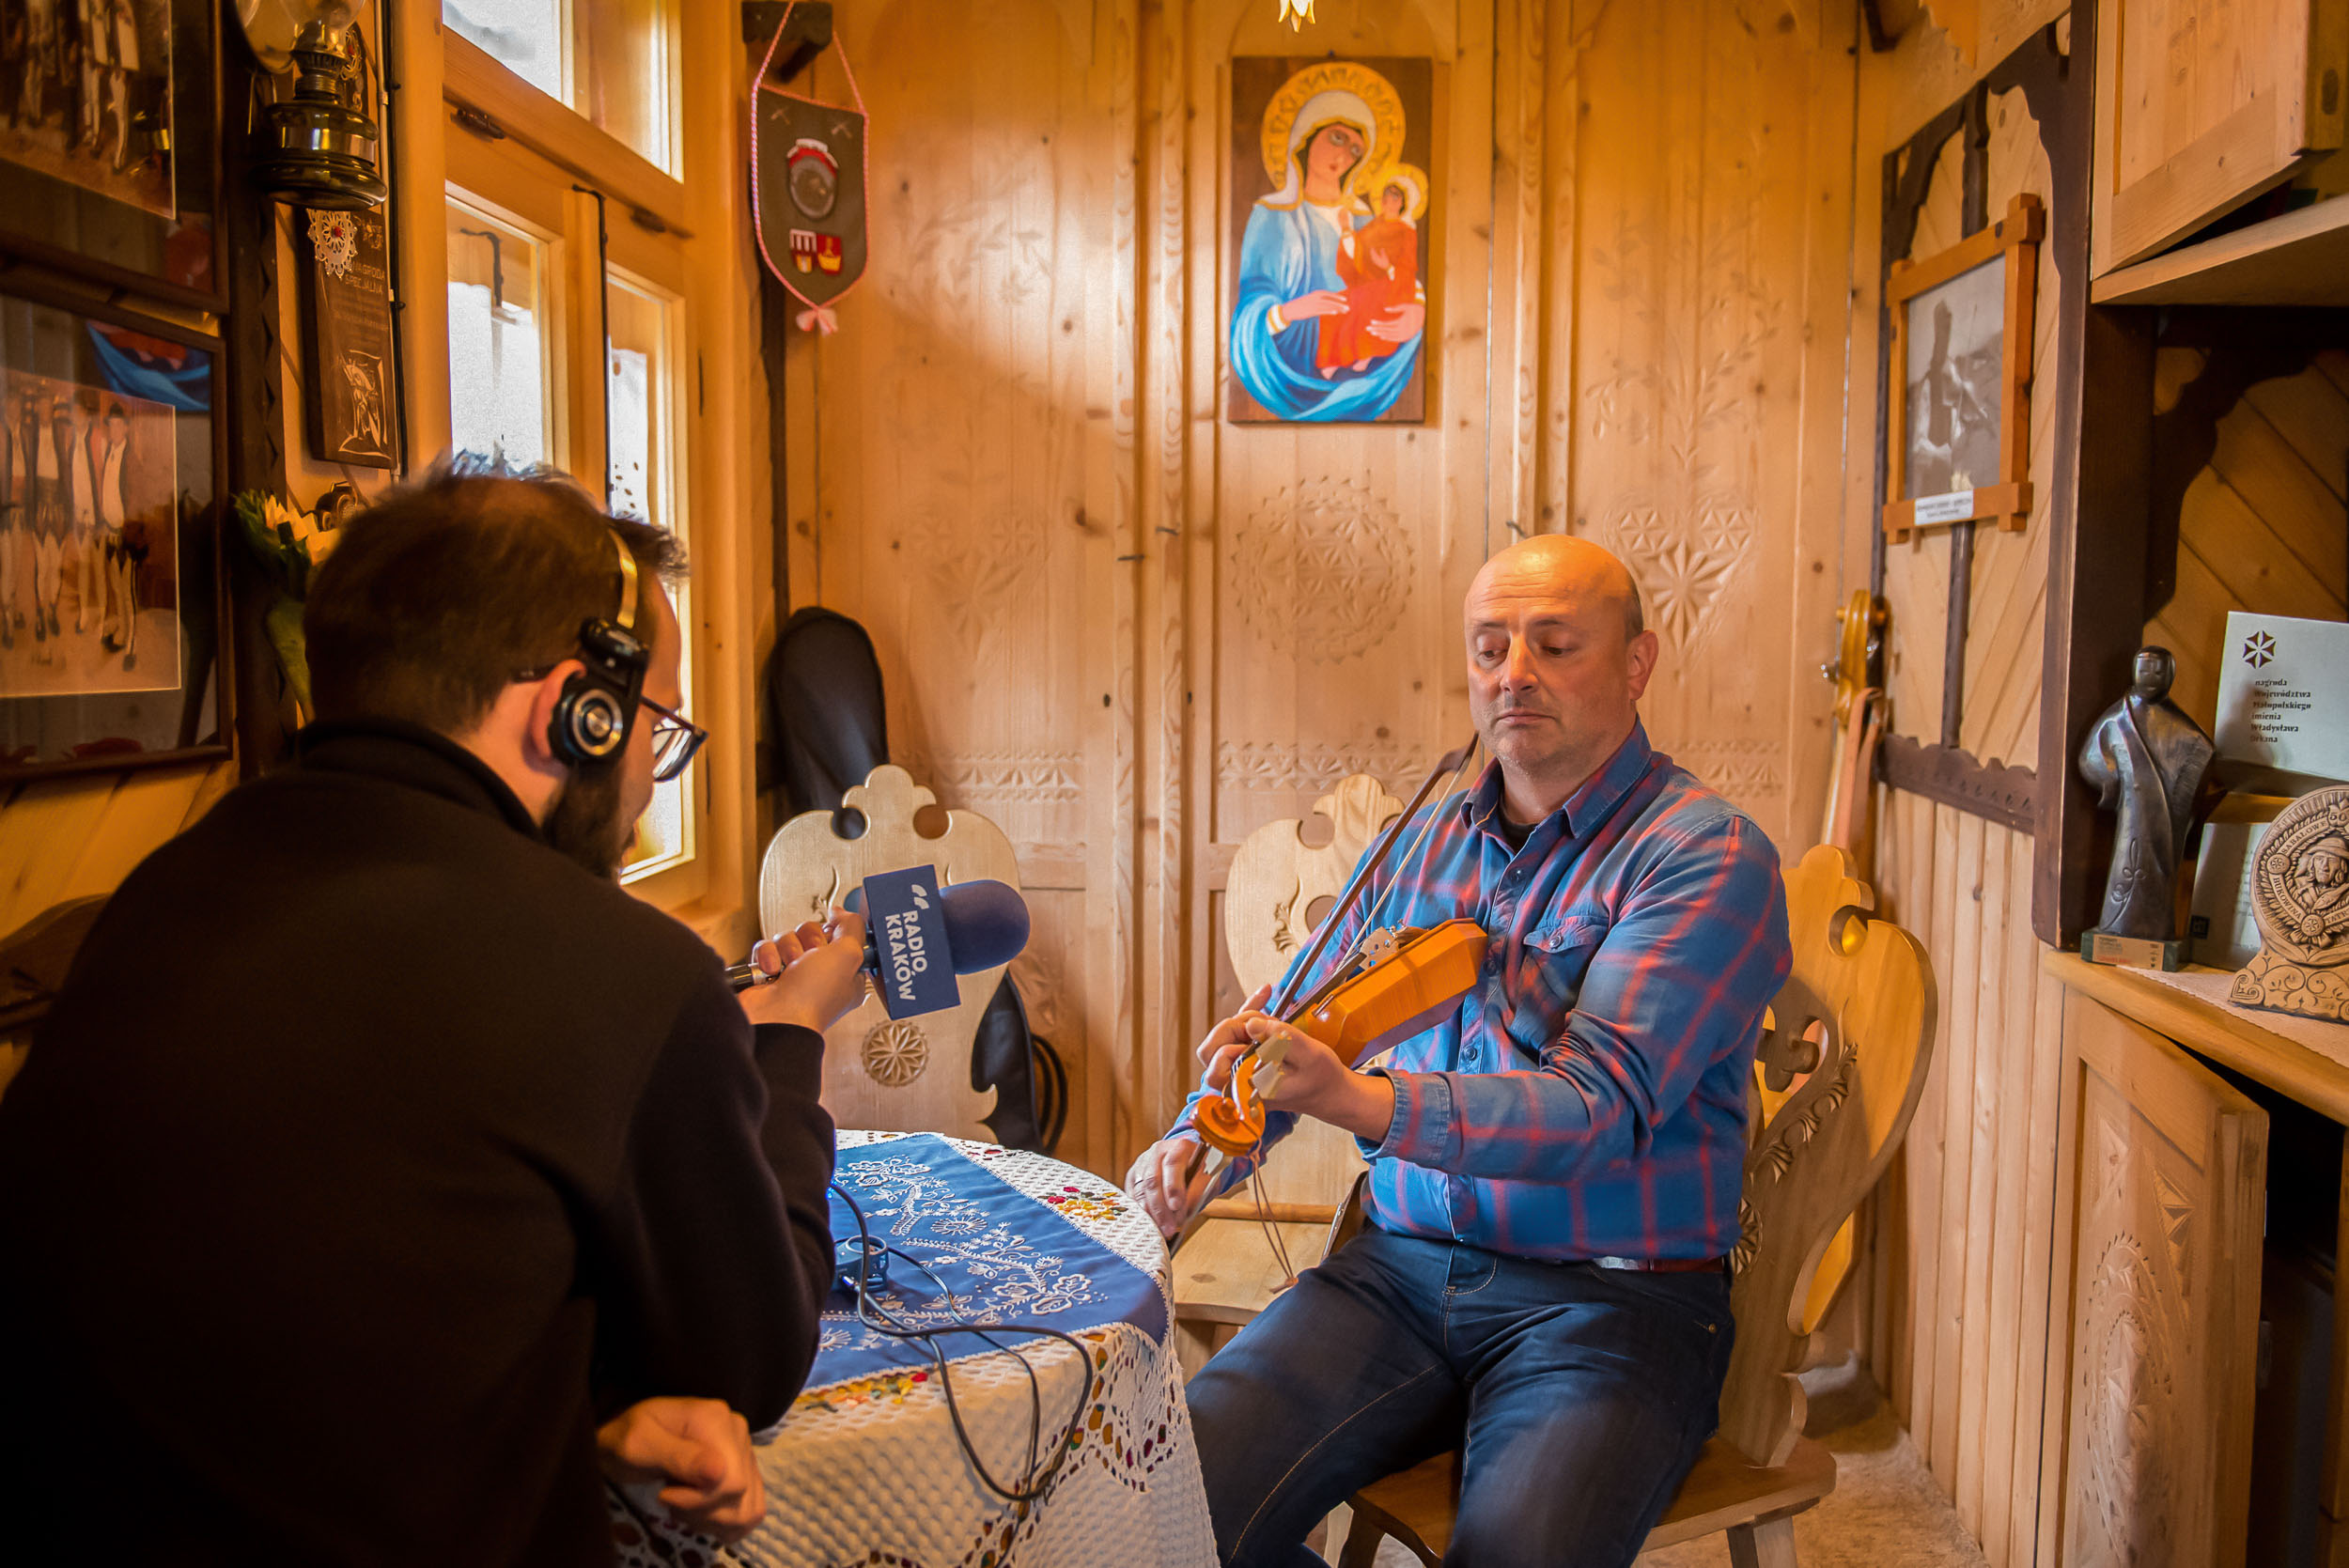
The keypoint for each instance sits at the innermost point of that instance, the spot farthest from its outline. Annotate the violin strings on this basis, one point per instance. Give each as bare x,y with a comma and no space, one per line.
1370,920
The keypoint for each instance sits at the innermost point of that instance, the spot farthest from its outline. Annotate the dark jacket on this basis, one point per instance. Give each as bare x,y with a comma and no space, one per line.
373,1153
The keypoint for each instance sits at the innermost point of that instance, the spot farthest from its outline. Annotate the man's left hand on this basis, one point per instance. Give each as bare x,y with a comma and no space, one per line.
701,1450
1314,1083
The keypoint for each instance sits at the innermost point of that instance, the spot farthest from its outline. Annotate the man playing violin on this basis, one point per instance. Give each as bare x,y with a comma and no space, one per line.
1555,1168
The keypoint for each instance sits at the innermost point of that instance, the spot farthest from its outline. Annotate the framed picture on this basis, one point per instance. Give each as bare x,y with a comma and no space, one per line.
1331,261
1960,374
112,598
109,144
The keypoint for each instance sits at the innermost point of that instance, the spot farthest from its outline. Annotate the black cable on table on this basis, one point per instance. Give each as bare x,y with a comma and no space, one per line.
872,1316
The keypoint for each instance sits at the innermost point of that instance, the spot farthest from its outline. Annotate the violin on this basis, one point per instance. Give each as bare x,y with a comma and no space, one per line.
1394,984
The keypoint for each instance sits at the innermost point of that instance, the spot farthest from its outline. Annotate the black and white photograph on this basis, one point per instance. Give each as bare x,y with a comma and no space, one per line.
88,579
1955,343
87,88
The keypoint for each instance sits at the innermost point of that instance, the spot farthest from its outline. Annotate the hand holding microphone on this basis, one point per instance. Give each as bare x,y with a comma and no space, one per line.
920,939
809,976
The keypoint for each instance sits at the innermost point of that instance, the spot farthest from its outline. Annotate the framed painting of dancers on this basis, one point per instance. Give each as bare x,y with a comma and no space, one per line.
109,159
111,590
1331,265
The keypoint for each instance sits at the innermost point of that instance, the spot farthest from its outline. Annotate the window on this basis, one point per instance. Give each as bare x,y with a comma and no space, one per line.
566,343
612,61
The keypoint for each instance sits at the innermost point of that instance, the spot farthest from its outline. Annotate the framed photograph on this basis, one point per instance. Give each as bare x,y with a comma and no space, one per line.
1331,261
112,598
109,145
1960,392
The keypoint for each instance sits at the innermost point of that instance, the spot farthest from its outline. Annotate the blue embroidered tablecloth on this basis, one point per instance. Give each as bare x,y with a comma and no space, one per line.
1008,1257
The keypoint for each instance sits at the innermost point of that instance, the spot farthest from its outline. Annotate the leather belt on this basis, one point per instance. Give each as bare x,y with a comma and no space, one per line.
1667,1266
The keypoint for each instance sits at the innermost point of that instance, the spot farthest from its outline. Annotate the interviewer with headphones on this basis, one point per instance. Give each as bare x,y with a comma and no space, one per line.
386,1177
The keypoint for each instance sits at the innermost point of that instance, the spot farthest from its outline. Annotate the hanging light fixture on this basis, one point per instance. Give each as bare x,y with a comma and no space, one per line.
1297,13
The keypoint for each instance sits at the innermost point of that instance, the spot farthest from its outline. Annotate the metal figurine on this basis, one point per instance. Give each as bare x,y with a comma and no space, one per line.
2149,762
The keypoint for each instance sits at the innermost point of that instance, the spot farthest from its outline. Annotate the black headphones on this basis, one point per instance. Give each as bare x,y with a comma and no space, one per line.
597,705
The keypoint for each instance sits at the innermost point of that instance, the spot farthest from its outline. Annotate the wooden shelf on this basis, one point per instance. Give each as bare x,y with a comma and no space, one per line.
2300,258
2304,1058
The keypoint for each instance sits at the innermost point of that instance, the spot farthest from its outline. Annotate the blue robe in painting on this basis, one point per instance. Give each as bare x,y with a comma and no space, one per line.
1287,252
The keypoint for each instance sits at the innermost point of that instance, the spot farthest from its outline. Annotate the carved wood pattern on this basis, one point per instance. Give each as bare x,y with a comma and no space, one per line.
1697,157
1323,570
1268,765
873,1065
2163,1306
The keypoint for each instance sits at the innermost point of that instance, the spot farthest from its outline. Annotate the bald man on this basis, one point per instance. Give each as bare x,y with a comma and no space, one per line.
1554,1170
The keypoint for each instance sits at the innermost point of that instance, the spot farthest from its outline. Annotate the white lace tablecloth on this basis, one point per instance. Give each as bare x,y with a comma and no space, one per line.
869,1471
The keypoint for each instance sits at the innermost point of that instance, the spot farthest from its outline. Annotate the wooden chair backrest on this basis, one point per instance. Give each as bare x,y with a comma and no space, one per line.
1868,984
1268,898
910,1074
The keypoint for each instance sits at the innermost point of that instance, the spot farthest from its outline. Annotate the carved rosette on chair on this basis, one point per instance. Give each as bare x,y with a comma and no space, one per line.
902,1075
2301,898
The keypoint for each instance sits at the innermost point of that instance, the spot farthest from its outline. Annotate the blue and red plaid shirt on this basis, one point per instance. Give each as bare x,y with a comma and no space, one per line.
1589,1098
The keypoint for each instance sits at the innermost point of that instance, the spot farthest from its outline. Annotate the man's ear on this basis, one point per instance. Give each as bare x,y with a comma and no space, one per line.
1640,657
536,747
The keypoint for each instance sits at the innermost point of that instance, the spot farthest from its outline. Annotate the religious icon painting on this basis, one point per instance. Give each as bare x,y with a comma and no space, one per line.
1331,261
109,161
807,191
110,586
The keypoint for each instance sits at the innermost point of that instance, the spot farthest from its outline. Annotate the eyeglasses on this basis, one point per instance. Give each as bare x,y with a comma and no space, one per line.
675,740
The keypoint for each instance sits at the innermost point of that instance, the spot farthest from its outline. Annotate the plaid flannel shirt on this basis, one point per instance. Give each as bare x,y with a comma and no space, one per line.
1589,1098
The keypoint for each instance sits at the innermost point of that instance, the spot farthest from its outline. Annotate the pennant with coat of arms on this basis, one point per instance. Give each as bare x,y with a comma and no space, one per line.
807,190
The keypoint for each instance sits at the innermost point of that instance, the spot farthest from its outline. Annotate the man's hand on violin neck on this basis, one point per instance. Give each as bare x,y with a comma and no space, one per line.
1313,1082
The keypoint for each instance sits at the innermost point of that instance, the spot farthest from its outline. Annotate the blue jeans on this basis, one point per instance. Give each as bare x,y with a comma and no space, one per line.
1584,1394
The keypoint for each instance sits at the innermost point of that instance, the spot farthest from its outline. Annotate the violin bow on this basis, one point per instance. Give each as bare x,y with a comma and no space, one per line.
1447,769
1447,772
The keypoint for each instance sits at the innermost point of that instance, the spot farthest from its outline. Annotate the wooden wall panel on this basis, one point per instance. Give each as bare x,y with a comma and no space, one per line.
2262,527
70,838
1709,259
972,424
2007,628
1963,1237
1962,1243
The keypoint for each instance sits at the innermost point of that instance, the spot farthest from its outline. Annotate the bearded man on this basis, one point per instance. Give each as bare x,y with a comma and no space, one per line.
1543,1281
383,1168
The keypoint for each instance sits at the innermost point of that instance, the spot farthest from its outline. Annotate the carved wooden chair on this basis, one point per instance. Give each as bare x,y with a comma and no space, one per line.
1869,986
906,1075
1228,1271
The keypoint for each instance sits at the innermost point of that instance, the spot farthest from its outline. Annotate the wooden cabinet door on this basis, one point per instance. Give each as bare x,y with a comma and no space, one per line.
2200,105
2165,1171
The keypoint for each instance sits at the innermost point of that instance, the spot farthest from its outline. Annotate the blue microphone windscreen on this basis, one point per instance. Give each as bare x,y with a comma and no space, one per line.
986,924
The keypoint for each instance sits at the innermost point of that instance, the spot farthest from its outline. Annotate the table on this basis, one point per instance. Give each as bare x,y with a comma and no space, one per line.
866,1469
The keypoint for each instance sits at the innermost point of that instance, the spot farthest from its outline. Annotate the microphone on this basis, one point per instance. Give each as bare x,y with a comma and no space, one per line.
918,939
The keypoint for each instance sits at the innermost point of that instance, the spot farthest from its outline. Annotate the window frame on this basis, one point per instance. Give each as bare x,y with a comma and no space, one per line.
689,237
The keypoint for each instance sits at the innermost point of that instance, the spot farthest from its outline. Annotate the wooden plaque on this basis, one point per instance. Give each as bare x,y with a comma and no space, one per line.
347,362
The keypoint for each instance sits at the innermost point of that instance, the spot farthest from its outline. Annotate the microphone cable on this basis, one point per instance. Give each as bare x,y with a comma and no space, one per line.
874,1316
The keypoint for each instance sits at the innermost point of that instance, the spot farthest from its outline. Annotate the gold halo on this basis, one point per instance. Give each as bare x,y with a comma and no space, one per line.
1412,178
1280,115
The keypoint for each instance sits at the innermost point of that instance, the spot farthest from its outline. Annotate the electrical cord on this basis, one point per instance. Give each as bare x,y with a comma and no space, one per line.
872,1316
